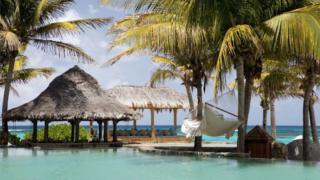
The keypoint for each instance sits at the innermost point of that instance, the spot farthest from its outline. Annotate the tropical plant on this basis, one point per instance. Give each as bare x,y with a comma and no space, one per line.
33,23
21,74
59,133
278,80
170,70
163,34
299,44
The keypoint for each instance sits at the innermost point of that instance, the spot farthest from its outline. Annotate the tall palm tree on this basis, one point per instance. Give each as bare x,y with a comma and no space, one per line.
33,22
278,80
166,34
300,44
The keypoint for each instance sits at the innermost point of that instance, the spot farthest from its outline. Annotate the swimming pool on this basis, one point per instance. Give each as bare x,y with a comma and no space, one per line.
129,164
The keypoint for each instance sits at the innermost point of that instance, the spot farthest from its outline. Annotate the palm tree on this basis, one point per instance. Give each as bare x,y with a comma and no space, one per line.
170,70
300,44
21,74
164,34
32,22
278,80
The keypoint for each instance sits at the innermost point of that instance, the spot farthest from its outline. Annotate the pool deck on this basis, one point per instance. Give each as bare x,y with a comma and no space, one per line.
185,149
182,144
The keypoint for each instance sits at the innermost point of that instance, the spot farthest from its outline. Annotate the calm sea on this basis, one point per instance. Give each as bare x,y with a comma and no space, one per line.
285,134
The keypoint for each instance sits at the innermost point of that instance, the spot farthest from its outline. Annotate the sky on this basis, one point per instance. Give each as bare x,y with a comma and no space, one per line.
133,70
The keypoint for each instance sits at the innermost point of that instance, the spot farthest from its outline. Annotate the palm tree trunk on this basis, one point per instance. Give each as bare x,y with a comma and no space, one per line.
5,101
313,123
241,103
198,139
265,108
247,101
273,118
264,119
306,103
190,99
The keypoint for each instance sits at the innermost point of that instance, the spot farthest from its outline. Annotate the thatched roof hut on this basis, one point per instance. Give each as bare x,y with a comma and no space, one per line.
72,95
141,97
155,99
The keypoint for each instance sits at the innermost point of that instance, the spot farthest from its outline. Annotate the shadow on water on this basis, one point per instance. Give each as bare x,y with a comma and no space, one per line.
5,153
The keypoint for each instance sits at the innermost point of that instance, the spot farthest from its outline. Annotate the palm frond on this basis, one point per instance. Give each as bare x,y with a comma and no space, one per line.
25,75
62,49
164,61
161,75
127,52
58,29
3,24
39,10
9,41
54,9
296,34
237,39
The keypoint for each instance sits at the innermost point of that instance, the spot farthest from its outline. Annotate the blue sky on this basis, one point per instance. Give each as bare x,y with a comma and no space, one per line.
134,70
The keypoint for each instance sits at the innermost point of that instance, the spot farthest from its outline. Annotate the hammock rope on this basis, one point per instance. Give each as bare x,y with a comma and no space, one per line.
216,107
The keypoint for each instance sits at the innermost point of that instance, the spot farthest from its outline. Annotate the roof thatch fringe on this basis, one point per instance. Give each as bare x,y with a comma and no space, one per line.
73,95
142,97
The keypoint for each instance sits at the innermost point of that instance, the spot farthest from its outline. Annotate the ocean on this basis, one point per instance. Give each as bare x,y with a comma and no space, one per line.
285,134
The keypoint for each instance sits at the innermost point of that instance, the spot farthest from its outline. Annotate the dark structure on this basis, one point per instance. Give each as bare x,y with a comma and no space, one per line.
258,143
72,97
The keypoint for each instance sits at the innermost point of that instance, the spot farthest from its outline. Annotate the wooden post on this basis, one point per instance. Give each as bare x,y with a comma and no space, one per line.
46,131
91,127
175,111
35,131
100,130
134,126
77,130
153,130
72,130
114,133
105,131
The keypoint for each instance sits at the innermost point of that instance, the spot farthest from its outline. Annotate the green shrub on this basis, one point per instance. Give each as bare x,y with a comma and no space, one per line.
13,139
59,133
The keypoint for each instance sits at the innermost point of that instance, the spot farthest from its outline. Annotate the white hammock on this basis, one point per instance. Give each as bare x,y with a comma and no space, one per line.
213,124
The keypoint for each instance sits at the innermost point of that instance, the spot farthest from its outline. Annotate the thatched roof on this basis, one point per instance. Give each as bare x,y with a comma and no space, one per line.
141,97
72,95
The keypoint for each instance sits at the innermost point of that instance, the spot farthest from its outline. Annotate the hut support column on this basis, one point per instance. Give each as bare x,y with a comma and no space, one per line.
134,125
77,130
72,131
175,112
46,131
153,130
105,131
100,130
114,133
35,131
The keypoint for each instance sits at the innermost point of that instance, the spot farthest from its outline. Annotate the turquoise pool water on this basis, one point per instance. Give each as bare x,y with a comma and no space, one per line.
128,164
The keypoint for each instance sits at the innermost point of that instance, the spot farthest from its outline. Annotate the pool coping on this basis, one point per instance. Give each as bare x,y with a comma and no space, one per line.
156,150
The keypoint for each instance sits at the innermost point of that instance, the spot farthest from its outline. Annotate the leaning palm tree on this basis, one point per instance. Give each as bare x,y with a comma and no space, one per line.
33,23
